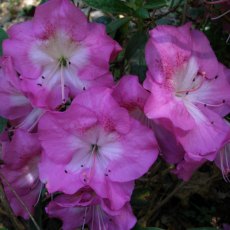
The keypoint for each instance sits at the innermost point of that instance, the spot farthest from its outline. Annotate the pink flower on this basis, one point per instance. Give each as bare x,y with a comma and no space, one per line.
13,104
102,147
87,208
187,86
21,156
58,53
170,149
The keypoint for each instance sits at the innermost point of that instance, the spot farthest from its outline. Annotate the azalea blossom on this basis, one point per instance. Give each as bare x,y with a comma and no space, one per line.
56,53
189,89
86,208
102,147
15,105
20,170
170,148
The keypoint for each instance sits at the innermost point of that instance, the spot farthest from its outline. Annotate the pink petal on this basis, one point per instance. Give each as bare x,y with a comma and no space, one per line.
167,49
129,93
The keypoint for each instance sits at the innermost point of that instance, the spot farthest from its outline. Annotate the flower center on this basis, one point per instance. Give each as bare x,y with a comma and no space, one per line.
59,57
63,62
94,148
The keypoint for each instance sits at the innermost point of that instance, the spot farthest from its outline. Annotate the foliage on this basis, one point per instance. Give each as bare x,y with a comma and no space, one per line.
129,22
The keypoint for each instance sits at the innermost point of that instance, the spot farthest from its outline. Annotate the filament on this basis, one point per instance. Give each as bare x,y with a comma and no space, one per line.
62,85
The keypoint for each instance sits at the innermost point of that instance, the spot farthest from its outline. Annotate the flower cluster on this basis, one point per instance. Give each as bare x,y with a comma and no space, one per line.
84,138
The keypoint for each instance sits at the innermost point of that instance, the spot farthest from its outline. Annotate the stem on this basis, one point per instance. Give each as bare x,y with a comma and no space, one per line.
184,11
15,222
164,201
20,201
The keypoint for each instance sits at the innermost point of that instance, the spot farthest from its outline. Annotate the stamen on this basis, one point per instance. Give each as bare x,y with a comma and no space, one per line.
62,86
224,164
83,226
39,196
50,75
187,91
93,216
210,105
102,219
30,121
94,148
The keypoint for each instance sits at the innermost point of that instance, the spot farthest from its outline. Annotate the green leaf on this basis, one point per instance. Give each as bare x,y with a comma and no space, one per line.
154,4
3,36
136,42
109,6
3,123
103,20
115,25
142,13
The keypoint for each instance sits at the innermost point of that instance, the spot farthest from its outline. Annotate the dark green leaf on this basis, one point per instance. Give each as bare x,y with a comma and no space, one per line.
154,4
142,13
103,20
109,6
3,123
136,42
3,36
140,71
115,25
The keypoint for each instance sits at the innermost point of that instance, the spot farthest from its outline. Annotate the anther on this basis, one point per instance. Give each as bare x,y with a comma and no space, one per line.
66,171
216,76
223,101
205,105
106,174
193,79
212,122
186,93
82,166
43,77
39,84
83,88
